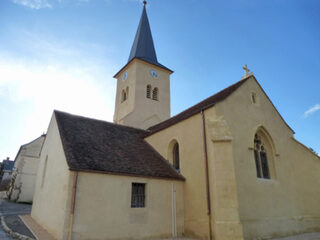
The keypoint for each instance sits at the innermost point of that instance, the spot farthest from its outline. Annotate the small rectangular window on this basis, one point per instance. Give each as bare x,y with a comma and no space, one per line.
138,195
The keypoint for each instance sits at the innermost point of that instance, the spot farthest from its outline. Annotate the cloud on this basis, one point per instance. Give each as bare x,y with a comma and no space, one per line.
33,4
30,90
311,110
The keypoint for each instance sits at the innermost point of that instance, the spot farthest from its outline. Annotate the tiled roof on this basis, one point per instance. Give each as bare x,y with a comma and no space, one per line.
208,102
99,146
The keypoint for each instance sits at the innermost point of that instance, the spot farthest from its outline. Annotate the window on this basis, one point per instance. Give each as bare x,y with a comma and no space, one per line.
124,95
127,92
176,158
260,157
155,94
138,195
149,91
253,98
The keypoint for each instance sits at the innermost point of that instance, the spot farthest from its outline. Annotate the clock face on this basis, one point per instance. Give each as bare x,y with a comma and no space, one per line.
125,76
153,73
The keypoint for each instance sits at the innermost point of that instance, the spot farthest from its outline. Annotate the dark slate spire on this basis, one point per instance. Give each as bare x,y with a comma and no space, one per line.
143,47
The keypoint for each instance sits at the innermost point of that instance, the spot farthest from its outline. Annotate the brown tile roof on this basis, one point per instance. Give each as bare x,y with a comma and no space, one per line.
208,102
99,146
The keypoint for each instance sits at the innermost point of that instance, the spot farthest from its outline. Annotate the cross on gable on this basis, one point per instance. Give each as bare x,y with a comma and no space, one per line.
246,71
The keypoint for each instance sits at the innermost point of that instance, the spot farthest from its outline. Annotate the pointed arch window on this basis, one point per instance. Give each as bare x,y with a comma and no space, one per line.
149,91
261,159
176,156
155,94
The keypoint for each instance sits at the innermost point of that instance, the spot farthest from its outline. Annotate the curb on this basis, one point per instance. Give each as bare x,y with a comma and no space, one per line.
12,233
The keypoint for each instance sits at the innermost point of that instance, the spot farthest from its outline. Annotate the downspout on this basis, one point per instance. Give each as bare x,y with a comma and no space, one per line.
207,171
74,191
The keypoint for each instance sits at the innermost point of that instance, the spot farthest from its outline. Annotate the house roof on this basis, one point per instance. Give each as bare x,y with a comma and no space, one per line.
26,144
208,102
8,165
99,146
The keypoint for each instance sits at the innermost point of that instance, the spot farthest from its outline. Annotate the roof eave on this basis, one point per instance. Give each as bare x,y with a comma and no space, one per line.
180,178
163,67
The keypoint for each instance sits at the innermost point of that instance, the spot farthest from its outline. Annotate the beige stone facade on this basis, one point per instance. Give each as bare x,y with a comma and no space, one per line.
25,171
102,207
227,168
243,205
138,110
52,199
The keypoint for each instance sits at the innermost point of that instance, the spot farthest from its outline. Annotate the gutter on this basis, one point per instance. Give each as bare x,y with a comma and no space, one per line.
74,191
207,171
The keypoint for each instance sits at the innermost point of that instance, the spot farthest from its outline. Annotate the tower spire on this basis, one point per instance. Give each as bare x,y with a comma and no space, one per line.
143,47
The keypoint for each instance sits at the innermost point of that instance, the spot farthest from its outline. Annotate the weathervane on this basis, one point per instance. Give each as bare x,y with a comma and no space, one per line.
246,71
144,2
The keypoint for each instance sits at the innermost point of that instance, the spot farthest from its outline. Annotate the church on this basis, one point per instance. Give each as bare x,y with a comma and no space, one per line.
227,168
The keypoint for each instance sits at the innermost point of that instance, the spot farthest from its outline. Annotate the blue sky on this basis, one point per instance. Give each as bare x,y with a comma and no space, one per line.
62,54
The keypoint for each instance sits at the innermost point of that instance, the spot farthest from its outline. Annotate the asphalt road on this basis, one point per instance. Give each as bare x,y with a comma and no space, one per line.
8,209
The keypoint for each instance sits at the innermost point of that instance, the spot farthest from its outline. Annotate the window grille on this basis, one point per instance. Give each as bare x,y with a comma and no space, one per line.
138,195
260,157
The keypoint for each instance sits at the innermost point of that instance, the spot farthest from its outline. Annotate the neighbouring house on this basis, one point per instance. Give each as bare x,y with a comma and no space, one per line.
25,171
227,168
6,169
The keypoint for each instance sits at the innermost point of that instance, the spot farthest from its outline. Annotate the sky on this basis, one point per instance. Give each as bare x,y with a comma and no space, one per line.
62,54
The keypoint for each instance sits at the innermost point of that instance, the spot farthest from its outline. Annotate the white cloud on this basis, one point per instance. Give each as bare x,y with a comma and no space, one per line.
30,91
311,110
33,4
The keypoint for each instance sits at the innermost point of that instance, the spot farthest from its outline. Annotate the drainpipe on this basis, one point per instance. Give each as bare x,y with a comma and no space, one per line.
74,191
207,171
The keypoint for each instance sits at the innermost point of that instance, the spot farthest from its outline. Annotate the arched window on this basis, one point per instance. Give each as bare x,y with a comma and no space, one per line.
123,96
260,157
176,157
155,94
149,91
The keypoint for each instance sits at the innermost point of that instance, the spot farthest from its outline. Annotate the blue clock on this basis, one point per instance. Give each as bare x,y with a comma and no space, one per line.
153,73
125,76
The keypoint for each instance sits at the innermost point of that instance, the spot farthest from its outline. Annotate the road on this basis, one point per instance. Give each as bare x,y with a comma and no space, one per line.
7,209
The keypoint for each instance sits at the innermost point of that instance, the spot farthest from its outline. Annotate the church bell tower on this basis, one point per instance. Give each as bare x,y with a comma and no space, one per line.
143,84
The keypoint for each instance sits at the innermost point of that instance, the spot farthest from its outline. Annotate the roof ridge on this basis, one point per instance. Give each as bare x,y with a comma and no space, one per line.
100,120
207,102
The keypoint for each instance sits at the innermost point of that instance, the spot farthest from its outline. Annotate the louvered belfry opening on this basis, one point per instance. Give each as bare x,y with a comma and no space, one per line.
155,94
149,91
